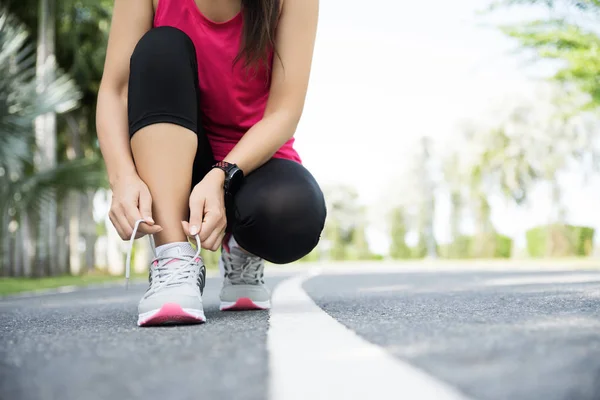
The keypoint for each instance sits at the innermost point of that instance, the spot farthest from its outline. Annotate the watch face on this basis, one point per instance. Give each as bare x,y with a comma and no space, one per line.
236,178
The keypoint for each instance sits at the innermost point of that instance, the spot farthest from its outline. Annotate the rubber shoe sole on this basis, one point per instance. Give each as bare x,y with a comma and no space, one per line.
245,304
171,314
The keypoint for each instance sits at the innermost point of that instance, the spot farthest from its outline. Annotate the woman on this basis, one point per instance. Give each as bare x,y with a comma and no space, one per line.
197,110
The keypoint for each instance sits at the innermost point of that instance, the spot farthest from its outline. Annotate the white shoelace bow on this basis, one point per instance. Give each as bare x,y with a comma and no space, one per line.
153,245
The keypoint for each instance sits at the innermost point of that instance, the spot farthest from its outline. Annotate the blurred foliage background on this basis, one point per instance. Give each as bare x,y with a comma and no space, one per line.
51,173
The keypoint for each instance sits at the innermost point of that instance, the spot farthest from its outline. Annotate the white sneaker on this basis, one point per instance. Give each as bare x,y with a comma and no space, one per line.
177,278
243,285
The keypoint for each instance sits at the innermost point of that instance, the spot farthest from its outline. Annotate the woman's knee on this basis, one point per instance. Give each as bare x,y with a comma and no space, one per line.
161,48
163,81
283,225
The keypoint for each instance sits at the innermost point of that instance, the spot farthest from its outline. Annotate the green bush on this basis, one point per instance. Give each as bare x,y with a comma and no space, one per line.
536,241
479,246
503,246
460,248
491,245
560,241
585,240
483,246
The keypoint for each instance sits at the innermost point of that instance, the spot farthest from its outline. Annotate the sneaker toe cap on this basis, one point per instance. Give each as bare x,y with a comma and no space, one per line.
254,292
156,301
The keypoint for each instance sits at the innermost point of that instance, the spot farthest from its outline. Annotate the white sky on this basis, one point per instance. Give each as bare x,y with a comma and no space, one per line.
386,72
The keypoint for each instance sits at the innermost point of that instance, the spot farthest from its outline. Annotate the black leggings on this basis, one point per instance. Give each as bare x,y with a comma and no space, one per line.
279,212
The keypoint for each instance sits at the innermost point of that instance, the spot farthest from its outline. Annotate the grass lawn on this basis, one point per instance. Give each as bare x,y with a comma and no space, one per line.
10,286
18,285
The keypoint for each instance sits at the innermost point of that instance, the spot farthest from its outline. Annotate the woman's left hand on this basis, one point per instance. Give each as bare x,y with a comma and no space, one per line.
207,211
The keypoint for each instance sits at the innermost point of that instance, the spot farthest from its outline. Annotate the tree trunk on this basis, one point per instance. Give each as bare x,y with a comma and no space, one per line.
455,214
74,233
6,244
557,207
63,233
16,266
428,199
45,129
88,228
84,210
26,246
483,215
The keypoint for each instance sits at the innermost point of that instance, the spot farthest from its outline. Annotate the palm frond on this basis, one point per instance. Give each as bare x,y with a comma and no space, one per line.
31,192
20,100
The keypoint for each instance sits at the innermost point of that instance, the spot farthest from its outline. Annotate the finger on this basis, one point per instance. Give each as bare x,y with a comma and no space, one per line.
133,215
131,212
196,215
215,240
144,230
212,221
145,206
114,220
186,230
219,242
126,227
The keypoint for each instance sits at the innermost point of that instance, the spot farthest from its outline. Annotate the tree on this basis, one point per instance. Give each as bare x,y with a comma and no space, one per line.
359,243
398,248
575,43
531,144
24,189
344,216
454,177
81,33
45,134
425,198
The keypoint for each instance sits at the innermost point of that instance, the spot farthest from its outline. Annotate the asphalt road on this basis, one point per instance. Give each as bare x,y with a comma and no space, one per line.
509,335
492,335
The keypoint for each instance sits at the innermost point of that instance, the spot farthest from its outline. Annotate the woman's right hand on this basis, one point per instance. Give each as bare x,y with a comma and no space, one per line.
131,201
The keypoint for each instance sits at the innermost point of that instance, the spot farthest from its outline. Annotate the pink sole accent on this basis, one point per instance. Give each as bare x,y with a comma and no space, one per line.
225,242
171,314
243,304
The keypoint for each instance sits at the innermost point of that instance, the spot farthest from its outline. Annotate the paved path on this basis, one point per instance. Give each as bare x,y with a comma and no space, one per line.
473,334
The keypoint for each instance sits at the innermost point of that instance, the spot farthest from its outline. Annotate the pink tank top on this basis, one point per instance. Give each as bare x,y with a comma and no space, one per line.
231,100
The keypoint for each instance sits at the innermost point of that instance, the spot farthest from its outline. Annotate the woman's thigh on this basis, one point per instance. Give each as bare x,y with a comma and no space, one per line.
279,212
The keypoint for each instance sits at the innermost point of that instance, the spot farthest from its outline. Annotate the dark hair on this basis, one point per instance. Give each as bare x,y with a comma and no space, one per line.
260,22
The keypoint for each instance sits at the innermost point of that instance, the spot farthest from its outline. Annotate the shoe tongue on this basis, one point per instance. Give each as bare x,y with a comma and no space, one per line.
178,250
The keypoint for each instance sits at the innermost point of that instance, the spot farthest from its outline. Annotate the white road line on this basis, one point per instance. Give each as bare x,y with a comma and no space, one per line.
314,357
543,279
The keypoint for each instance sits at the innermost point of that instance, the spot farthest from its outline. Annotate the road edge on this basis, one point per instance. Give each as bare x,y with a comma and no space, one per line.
92,286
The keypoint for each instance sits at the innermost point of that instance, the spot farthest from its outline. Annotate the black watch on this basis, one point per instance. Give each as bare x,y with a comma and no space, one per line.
233,177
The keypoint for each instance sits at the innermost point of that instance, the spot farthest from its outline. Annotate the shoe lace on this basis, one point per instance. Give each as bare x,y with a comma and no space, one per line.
243,268
167,276
164,275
